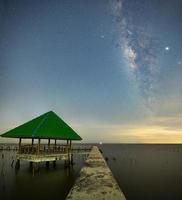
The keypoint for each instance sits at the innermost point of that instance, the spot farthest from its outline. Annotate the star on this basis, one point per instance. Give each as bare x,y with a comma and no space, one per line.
167,48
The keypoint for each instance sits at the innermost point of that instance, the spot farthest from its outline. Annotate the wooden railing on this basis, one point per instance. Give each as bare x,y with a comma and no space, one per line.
82,148
52,149
44,149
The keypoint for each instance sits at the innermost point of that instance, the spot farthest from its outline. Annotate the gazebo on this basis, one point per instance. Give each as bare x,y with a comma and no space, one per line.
47,126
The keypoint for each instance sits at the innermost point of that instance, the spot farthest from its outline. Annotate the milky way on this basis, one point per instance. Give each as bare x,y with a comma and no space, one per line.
138,47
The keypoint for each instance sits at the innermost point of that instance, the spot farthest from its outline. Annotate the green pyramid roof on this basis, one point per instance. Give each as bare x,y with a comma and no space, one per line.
48,125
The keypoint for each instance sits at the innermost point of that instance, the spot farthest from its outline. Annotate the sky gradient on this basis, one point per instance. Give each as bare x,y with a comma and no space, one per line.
111,69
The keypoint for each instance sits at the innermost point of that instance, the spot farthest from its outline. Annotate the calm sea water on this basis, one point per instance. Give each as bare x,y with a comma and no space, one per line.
46,183
144,172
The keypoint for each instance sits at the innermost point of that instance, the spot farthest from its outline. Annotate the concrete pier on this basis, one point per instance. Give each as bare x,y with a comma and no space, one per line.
95,181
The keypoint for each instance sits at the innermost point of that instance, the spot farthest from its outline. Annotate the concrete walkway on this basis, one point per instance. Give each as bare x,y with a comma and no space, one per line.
96,181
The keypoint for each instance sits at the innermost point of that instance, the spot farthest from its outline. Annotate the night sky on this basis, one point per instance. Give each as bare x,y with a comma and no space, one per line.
111,69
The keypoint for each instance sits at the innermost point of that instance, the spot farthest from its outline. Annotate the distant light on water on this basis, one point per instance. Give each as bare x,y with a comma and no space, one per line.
100,143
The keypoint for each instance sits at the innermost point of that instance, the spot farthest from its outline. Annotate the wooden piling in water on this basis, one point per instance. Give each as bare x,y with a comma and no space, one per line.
54,164
17,166
47,164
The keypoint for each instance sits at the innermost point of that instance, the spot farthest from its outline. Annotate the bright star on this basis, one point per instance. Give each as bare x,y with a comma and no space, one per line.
167,48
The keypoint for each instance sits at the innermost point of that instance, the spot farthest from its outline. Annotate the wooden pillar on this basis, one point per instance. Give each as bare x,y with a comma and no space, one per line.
67,143
31,164
47,164
38,150
17,165
70,144
71,160
49,141
32,150
54,164
55,146
19,145
32,141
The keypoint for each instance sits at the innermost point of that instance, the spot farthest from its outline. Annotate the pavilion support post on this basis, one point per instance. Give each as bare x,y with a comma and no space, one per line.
54,164
38,149
49,141
55,145
72,160
71,155
19,145
47,164
17,165
67,143
32,144
70,144
31,164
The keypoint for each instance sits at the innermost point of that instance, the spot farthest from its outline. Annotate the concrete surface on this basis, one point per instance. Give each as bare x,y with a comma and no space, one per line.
96,181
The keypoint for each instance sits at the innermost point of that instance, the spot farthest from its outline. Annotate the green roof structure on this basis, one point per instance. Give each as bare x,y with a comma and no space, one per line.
46,126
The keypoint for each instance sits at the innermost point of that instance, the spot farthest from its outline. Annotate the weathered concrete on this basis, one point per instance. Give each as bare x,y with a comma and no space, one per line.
96,181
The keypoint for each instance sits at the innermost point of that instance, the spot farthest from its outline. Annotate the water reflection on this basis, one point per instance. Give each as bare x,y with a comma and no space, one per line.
40,182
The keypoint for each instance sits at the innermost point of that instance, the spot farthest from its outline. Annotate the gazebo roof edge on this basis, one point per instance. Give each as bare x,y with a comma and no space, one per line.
46,126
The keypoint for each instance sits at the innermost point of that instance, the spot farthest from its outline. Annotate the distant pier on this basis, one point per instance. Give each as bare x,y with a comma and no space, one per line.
95,181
